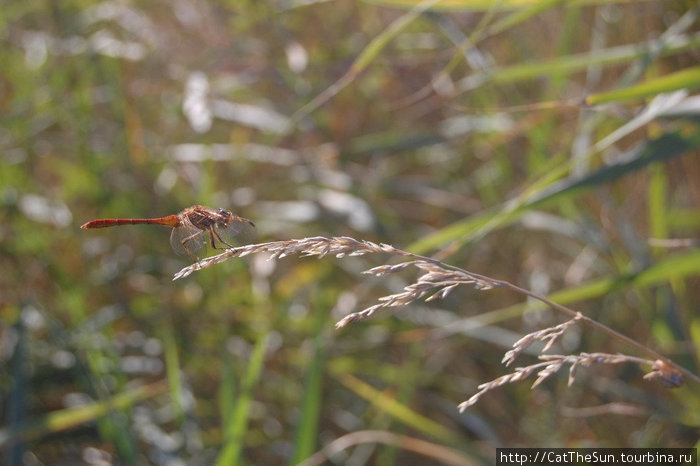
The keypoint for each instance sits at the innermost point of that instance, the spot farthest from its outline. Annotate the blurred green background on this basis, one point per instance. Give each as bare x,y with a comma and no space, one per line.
461,131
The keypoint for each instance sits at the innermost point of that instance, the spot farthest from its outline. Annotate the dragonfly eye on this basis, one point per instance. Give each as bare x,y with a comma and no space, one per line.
225,214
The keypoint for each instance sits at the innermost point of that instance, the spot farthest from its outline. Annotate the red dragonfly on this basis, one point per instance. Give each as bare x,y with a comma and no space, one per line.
192,227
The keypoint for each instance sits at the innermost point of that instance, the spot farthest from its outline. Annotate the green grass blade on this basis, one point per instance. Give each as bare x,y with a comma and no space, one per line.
233,443
227,393
172,370
370,52
658,187
663,148
307,430
658,150
485,29
674,267
406,383
65,419
398,410
688,79
378,44
483,5
568,64
462,230
518,16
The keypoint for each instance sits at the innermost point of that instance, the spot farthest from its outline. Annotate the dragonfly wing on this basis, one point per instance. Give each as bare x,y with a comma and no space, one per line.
240,231
185,241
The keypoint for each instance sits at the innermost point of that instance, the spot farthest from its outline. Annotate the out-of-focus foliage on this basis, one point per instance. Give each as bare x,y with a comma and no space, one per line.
459,133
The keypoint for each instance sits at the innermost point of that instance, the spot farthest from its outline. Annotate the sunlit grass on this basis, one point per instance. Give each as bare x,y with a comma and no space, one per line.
533,142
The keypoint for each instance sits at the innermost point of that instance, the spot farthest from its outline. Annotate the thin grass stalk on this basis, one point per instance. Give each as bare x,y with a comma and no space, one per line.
437,281
551,364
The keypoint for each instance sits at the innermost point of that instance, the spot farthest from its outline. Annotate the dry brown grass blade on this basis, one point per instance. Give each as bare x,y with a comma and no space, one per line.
436,281
551,364
549,335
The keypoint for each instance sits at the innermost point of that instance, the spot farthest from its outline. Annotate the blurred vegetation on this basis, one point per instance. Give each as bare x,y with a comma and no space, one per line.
543,145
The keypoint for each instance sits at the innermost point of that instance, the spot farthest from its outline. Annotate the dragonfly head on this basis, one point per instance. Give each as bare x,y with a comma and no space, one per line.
226,216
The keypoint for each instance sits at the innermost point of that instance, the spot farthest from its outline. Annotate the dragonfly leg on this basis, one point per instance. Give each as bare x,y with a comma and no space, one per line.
187,240
213,233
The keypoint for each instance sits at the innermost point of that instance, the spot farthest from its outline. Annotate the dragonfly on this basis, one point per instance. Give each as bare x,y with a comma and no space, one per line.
192,228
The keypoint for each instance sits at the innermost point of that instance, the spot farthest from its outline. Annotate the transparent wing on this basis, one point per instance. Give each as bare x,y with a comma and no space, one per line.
240,231
186,240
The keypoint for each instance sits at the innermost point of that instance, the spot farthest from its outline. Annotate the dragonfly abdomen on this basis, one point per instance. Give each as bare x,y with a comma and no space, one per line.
170,220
